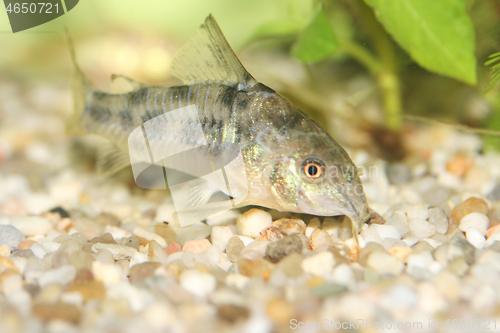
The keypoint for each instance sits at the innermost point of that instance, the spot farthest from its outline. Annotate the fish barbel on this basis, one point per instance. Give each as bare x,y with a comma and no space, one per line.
271,153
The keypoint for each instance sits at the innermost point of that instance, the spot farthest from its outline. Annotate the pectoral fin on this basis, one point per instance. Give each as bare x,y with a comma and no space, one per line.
110,160
207,57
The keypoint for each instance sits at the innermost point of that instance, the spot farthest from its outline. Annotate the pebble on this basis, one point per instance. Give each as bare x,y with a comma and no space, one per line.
331,225
118,251
320,264
478,221
198,230
252,222
62,275
156,253
196,245
137,258
313,224
418,211
198,283
398,173
291,265
38,251
421,229
10,236
290,225
31,225
400,222
238,281
387,231
234,247
279,249
475,237
140,272
173,247
89,228
471,205
220,236
105,238
107,273
131,241
270,234
320,239
140,232
4,250
384,264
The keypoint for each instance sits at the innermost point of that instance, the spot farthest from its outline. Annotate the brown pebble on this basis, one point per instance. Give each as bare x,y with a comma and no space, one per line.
83,276
6,264
140,272
165,231
270,234
106,238
62,311
143,241
471,205
279,310
173,247
290,225
65,224
90,290
25,244
459,165
259,268
375,218
232,313
279,249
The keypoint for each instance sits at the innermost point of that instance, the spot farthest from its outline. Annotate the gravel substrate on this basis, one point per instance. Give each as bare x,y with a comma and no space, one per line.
83,254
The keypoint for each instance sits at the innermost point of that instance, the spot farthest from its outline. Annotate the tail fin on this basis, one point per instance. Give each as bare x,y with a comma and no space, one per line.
80,86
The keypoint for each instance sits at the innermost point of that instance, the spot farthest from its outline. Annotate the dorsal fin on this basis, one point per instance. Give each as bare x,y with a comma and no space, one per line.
122,83
207,57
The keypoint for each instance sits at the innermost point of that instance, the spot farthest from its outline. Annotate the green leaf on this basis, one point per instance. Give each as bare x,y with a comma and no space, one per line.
277,28
317,41
438,34
495,70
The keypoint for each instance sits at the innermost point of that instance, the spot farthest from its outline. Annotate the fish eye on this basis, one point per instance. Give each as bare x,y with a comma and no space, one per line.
313,168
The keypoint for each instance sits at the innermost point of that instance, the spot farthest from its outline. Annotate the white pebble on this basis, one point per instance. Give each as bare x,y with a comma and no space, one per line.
107,273
31,225
331,226
246,240
477,221
140,232
38,251
387,231
10,236
138,258
62,275
215,256
384,264
400,222
50,247
371,235
418,211
410,241
252,222
343,275
220,236
117,232
197,283
238,281
320,264
421,228
475,238
118,251
312,225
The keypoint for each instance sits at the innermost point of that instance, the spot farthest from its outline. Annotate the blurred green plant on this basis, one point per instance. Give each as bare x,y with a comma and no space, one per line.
437,35
495,70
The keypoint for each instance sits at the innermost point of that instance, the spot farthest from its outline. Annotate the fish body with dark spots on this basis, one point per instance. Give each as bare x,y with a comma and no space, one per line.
284,159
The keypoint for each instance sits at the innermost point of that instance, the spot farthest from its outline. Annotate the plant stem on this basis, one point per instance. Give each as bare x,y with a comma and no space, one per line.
388,76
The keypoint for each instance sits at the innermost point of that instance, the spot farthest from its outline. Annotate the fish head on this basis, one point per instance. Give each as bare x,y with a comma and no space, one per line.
318,177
